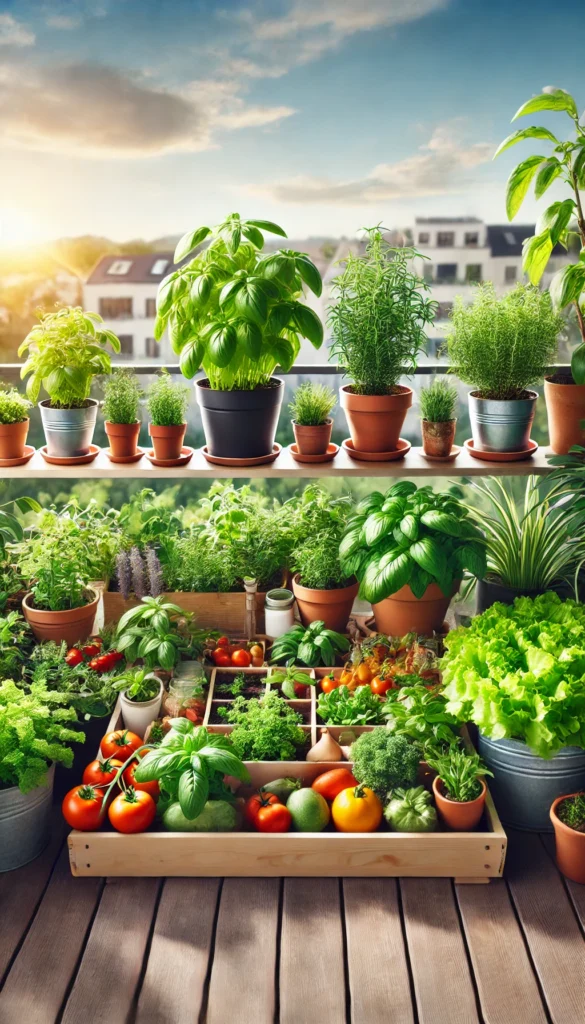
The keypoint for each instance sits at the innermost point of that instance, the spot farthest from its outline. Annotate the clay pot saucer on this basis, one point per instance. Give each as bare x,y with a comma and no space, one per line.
76,460
501,456
185,457
455,451
327,456
29,451
124,458
399,453
259,460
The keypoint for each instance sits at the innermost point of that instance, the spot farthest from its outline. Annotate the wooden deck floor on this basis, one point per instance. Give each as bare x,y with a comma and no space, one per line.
255,951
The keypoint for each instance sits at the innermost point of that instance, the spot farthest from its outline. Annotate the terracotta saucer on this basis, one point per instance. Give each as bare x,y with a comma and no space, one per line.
125,458
77,460
455,451
28,454
402,450
185,457
260,460
327,456
501,456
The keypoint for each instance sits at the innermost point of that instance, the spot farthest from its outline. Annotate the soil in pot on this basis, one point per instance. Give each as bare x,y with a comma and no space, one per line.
312,440
565,406
240,424
375,421
167,441
332,606
438,438
568,817
13,439
457,815
403,613
73,626
123,438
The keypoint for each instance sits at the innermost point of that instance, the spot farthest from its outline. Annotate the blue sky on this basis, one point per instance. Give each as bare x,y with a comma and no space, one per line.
139,118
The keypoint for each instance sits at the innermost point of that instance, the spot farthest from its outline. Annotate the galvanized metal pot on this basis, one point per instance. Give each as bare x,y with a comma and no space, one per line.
69,432
25,823
501,426
524,785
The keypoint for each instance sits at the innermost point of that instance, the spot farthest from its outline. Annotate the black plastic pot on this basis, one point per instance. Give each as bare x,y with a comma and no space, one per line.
490,590
240,424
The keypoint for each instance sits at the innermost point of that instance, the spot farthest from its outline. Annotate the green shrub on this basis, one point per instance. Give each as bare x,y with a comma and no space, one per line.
264,730
122,394
384,762
312,404
13,406
438,402
167,401
33,734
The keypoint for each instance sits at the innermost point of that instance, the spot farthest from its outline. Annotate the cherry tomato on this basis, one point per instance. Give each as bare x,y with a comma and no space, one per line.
363,673
101,773
106,662
380,686
254,804
274,818
300,691
91,650
221,658
329,683
82,807
145,787
223,641
120,743
74,657
241,658
132,811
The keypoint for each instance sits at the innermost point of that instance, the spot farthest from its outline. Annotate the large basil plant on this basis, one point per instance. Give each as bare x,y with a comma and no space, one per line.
410,536
567,164
235,311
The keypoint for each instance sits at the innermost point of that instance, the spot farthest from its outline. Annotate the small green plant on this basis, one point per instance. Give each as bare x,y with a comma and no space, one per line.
459,771
167,401
289,678
384,762
16,643
419,713
66,350
34,734
122,394
317,527
502,346
151,632
343,706
10,526
310,646
137,684
572,812
235,686
379,316
90,693
438,402
14,407
312,404
317,563
265,729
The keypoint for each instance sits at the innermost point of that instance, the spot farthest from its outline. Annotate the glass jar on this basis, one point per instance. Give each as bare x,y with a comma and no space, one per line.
279,612
186,698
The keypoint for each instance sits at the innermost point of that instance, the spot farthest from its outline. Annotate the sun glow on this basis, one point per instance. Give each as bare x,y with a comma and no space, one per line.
17,227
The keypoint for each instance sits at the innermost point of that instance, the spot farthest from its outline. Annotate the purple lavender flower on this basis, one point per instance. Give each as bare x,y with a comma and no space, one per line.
154,572
137,567
123,575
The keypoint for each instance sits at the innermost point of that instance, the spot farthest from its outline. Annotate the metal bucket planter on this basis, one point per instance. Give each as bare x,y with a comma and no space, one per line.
524,785
501,426
25,823
69,432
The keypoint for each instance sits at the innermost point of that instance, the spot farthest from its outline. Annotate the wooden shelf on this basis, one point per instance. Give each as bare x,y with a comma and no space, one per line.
413,465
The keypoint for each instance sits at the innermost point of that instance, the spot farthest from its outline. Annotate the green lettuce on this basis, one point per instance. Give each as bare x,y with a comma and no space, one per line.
518,672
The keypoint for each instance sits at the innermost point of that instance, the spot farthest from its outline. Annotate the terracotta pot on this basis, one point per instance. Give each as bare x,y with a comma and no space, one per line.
333,606
312,440
565,407
570,845
375,421
167,441
402,612
438,438
123,438
71,626
461,817
13,439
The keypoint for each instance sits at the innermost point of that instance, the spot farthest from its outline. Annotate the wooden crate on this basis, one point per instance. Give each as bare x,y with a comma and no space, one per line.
209,609
466,856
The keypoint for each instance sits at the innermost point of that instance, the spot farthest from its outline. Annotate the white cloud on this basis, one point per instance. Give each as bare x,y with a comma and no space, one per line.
253,117
14,33
64,22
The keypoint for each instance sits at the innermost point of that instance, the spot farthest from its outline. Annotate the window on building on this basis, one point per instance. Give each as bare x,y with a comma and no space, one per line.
471,238
446,272
115,309
159,267
445,239
510,237
119,267
126,345
443,310
428,271
473,273
152,349
424,238
511,275
151,307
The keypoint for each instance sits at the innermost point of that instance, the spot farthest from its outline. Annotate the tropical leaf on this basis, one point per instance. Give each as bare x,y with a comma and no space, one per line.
535,255
525,133
519,183
553,99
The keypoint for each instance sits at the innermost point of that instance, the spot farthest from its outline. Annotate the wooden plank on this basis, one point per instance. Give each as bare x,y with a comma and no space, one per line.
312,981
242,986
505,981
552,932
379,984
437,950
576,891
40,976
174,983
112,960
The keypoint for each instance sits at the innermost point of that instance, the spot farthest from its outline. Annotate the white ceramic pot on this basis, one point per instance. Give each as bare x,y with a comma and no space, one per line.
138,716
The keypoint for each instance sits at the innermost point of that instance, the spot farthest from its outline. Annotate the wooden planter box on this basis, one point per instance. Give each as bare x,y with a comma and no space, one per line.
209,609
466,856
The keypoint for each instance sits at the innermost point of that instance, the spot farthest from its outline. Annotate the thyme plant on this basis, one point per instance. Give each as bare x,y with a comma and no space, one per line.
312,404
439,401
167,401
13,406
122,394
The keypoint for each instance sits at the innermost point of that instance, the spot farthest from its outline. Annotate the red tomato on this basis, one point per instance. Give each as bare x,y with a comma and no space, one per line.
241,658
274,818
221,658
74,657
329,784
255,803
82,807
91,650
145,787
132,811
300,691
381,686
120,744
329,683
101,773
223,641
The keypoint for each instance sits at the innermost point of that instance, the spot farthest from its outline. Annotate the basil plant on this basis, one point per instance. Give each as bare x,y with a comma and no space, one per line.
566,163
234,310
410,536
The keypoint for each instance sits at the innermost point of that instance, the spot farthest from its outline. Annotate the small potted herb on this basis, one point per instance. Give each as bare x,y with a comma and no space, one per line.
438,403
313,646
568,817
322,588
141,694
66,350
153,632
167,403
14,423
502,346
459,788
311,409
122,394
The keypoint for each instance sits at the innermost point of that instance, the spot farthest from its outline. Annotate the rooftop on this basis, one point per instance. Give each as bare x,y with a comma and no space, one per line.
140,269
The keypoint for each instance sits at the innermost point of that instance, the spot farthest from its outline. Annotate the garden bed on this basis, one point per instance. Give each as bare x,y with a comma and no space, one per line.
208,608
